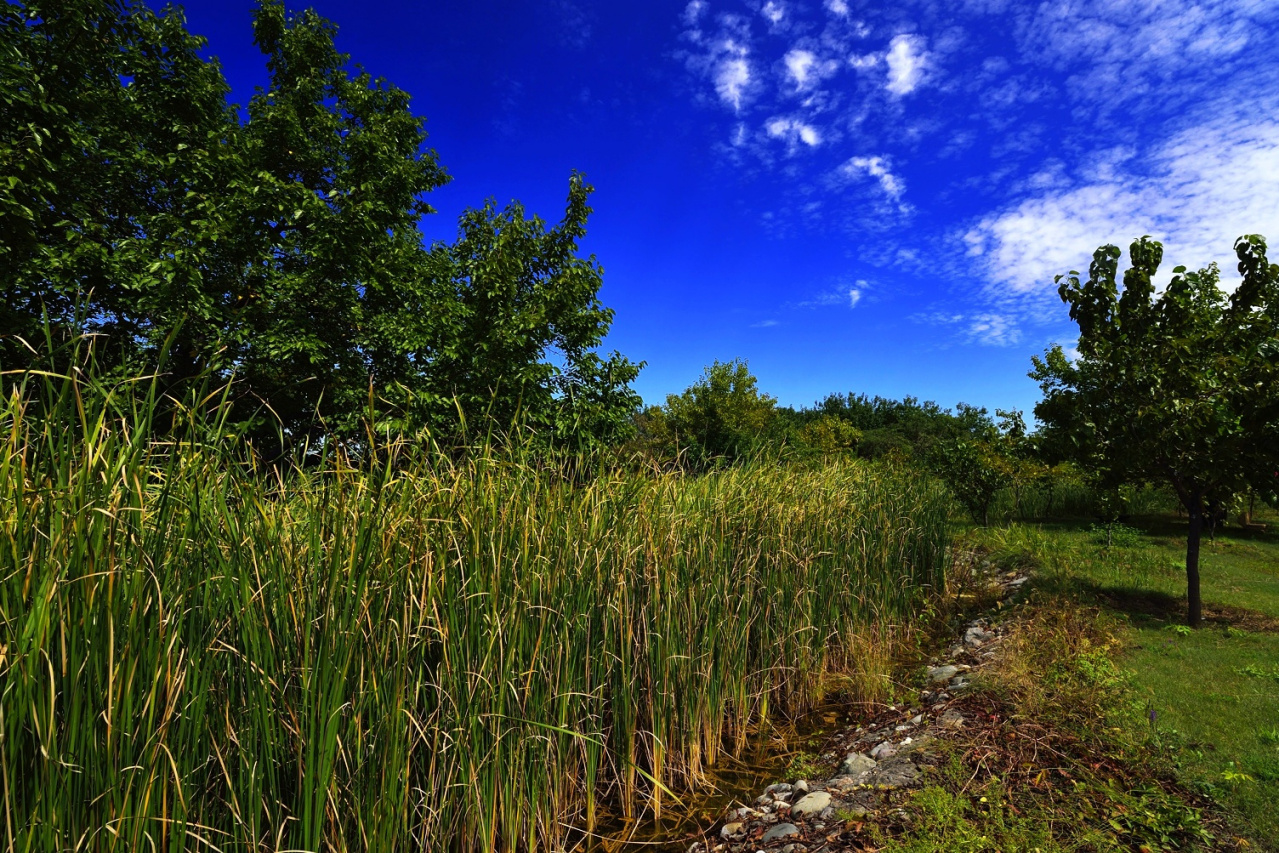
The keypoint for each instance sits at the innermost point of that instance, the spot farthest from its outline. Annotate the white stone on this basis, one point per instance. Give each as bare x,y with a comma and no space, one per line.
812,804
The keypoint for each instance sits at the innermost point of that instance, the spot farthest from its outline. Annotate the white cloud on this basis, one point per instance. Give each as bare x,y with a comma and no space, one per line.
723,57
799,63
693,12
864,61
1197,192
764,324
878,168
907,63
838,8
791,130
855,292
774,11
805,69
986,328
999,330
732,76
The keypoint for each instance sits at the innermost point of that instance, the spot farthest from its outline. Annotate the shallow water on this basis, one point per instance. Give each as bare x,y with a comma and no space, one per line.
732,782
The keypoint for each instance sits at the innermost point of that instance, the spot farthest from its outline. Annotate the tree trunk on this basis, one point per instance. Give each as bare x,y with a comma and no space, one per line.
1194,607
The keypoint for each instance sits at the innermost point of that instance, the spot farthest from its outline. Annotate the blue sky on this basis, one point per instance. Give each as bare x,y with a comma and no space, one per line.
851,196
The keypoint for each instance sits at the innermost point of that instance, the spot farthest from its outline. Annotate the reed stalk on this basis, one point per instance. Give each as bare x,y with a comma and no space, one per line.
428,652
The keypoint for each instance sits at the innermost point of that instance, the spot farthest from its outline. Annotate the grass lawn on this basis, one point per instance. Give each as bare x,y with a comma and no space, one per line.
1214,693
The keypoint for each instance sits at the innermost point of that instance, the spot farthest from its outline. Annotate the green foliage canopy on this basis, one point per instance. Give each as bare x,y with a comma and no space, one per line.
1180,387
720,418
282,247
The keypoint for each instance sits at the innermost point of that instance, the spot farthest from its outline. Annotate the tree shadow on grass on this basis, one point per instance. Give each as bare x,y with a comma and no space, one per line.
1147,608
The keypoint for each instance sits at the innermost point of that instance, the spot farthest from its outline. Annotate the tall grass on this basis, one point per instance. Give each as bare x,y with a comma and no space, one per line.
424,653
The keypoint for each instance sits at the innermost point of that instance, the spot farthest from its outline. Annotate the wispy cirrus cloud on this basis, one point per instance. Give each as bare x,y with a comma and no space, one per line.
982,327
1196,192
997,143
878,168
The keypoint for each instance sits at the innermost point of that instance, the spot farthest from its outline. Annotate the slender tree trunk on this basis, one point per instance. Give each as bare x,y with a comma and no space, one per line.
1194,607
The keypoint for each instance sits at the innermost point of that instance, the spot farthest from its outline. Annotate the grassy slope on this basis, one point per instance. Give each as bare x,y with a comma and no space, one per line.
1215,692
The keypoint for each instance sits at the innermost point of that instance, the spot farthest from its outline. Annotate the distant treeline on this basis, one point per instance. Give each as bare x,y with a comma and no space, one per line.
723,417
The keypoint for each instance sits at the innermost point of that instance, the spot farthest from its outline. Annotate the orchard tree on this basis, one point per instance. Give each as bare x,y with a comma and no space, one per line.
975,471
1179,387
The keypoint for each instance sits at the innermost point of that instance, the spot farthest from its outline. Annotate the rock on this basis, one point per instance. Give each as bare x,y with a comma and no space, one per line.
856,764
801,786
917,719
895,773
976,636
827,813
951,719
732,829
900,729
1016,582
958,683
943,673
844,784
811,804
778,788
884,750
782,830
763,799
789,848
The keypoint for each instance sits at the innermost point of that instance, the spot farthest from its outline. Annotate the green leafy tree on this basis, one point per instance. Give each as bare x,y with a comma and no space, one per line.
975,472
1180,387
722,417
829,434
114,136
521,324
282,248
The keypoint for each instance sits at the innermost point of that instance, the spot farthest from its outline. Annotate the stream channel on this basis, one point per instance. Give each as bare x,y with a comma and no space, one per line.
732,781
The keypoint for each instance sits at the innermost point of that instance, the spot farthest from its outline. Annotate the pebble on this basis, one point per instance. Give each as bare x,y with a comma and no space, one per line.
782,830
898,773
856,764
943,673
884,750
975,636
811,804
879,764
